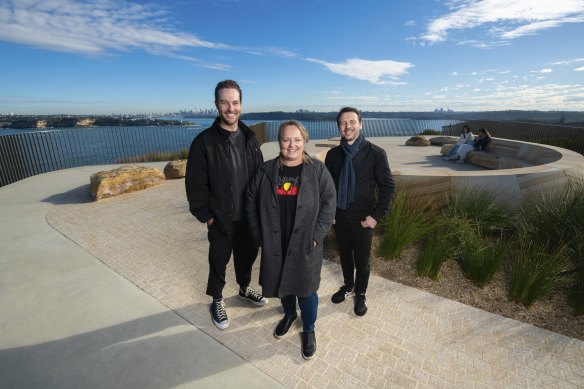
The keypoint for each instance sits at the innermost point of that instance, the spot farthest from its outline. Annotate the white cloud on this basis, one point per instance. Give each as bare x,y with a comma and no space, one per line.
385,72
547,70
91,28
454,74
568,62
580,69
102,26
505,19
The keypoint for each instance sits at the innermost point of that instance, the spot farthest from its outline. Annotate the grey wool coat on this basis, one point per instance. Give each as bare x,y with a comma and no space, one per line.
299,273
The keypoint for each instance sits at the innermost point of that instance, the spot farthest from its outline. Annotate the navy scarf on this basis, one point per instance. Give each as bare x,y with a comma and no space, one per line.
346,191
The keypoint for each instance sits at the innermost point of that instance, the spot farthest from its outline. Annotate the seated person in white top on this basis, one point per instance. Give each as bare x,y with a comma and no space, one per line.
479,145
466,138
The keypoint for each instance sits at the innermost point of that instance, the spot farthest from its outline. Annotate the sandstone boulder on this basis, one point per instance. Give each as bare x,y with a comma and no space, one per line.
175,169
125,179
443,140
446,148
417,140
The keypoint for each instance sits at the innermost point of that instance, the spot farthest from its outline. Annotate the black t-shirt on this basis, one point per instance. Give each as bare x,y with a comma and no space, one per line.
239,173
287,190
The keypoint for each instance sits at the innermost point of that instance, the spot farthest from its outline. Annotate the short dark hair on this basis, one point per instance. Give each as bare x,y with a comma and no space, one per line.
227,84
348,109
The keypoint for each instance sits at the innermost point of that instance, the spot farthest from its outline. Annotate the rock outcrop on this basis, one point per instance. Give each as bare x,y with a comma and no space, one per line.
125,179
175,169
417,140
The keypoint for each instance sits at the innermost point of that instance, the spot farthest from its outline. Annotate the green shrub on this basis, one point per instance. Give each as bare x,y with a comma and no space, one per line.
556,220
480,208
481,256
439,247
407,222
535,270
430,132
157,156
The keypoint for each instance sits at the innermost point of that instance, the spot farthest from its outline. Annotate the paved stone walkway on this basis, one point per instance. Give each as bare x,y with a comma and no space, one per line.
409,338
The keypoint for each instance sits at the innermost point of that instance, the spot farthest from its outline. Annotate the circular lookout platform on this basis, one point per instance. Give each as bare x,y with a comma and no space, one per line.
426,176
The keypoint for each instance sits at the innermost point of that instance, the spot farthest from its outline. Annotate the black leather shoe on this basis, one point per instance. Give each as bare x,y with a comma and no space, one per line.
284,325
360,305
308,345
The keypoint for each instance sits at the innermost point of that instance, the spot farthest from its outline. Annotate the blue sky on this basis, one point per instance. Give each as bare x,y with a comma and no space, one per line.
93,57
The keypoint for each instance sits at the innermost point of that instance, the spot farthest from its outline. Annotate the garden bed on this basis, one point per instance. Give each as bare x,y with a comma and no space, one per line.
552,311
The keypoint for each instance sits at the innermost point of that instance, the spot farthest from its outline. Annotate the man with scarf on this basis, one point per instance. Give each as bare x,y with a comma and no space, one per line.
365,188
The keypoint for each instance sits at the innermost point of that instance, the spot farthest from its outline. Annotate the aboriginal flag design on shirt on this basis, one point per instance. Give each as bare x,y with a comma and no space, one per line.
287,190
288,186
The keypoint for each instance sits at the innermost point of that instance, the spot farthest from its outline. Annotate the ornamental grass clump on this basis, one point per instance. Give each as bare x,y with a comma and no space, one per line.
440,246
157,156
407,222
481,256
557,220
535,270
481,209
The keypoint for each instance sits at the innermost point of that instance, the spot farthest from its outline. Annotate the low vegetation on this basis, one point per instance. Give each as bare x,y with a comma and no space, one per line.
407,222
157,156
541,243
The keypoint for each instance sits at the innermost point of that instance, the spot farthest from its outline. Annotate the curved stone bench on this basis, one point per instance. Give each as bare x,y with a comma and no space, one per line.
510,154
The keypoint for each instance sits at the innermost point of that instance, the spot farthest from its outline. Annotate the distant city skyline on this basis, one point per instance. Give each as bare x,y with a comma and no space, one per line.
104,56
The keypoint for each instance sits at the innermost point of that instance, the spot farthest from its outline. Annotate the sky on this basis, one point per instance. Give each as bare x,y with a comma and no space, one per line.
102,57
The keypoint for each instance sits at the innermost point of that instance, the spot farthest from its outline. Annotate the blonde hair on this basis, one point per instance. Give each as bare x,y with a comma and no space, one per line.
303,133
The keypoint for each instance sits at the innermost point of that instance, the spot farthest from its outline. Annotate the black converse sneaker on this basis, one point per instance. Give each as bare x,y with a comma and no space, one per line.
218,314
251,295
343,293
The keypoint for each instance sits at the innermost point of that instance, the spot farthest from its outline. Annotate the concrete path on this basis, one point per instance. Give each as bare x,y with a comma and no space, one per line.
68,320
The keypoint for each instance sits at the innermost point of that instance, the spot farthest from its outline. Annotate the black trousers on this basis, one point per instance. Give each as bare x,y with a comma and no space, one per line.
354,244
221,245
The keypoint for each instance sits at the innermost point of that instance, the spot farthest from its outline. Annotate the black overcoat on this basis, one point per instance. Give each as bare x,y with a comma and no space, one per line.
299,274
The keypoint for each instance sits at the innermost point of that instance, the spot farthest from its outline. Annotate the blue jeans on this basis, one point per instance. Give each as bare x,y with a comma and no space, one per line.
452,151
308,309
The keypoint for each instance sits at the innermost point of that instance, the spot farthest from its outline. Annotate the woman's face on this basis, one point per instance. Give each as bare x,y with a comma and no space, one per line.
291,145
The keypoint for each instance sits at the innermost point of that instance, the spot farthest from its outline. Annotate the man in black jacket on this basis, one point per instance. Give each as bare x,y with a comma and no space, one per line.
222,159
365,188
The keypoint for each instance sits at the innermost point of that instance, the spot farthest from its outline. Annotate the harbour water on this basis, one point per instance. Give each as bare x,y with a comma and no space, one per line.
24,153
317,129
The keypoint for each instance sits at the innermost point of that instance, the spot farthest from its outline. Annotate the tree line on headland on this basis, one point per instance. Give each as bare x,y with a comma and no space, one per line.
569,118
33,121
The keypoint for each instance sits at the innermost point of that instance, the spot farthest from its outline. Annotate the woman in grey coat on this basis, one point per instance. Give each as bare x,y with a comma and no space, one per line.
291,205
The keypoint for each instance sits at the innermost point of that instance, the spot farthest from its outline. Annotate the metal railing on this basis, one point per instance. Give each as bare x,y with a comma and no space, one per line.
29,153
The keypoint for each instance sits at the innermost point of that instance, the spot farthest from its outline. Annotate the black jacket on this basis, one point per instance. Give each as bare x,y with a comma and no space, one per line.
374,185
208,176
481,143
